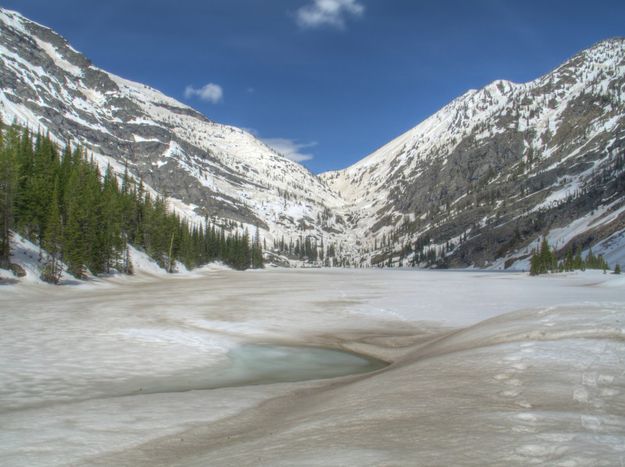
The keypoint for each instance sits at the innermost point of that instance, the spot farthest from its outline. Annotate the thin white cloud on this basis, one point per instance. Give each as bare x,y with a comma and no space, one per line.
332,13
290,149
210,92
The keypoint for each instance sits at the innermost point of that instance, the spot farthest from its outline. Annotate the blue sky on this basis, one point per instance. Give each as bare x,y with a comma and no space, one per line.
329,80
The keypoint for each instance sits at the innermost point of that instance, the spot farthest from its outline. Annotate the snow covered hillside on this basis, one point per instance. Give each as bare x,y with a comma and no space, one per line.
482,178
476,184
206,169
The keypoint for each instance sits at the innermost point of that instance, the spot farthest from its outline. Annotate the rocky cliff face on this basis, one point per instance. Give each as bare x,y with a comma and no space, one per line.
206,169
487,175
475,184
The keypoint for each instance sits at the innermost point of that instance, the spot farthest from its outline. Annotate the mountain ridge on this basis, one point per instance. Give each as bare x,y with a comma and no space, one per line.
453,185
518,118
215,170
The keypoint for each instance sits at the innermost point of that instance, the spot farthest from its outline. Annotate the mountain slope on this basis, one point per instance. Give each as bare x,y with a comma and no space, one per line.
477,183
206,169
494,169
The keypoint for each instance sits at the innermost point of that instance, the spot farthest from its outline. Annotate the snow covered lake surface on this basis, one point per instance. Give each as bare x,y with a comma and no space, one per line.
486,368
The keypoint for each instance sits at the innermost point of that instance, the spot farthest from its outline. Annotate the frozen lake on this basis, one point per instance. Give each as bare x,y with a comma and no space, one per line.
501,367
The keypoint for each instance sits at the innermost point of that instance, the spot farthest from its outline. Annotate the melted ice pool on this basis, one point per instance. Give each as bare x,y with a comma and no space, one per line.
244,365
251,365
258,364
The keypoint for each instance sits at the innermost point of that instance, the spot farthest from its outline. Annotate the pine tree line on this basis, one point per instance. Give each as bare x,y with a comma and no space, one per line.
60,201
311,250
544,261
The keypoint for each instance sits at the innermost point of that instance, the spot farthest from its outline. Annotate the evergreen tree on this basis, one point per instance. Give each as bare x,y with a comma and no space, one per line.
8,187
257,251
90,220
53,241
77,232
544,260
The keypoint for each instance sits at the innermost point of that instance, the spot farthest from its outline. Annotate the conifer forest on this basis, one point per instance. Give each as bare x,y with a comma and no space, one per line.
84,219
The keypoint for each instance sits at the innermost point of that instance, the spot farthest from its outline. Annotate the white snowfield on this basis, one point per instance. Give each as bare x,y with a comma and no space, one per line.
487,369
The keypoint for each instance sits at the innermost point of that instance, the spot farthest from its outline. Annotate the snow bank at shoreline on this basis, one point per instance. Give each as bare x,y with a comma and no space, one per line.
27,255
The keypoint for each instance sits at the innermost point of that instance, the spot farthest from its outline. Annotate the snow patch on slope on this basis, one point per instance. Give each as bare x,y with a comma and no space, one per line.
58,58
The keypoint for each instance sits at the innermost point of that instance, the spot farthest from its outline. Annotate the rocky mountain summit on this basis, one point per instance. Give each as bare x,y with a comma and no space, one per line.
475,184
204,168
497,168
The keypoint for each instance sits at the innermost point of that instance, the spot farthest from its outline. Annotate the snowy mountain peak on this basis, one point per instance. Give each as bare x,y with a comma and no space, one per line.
205,168
478,173
530,144
13,19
